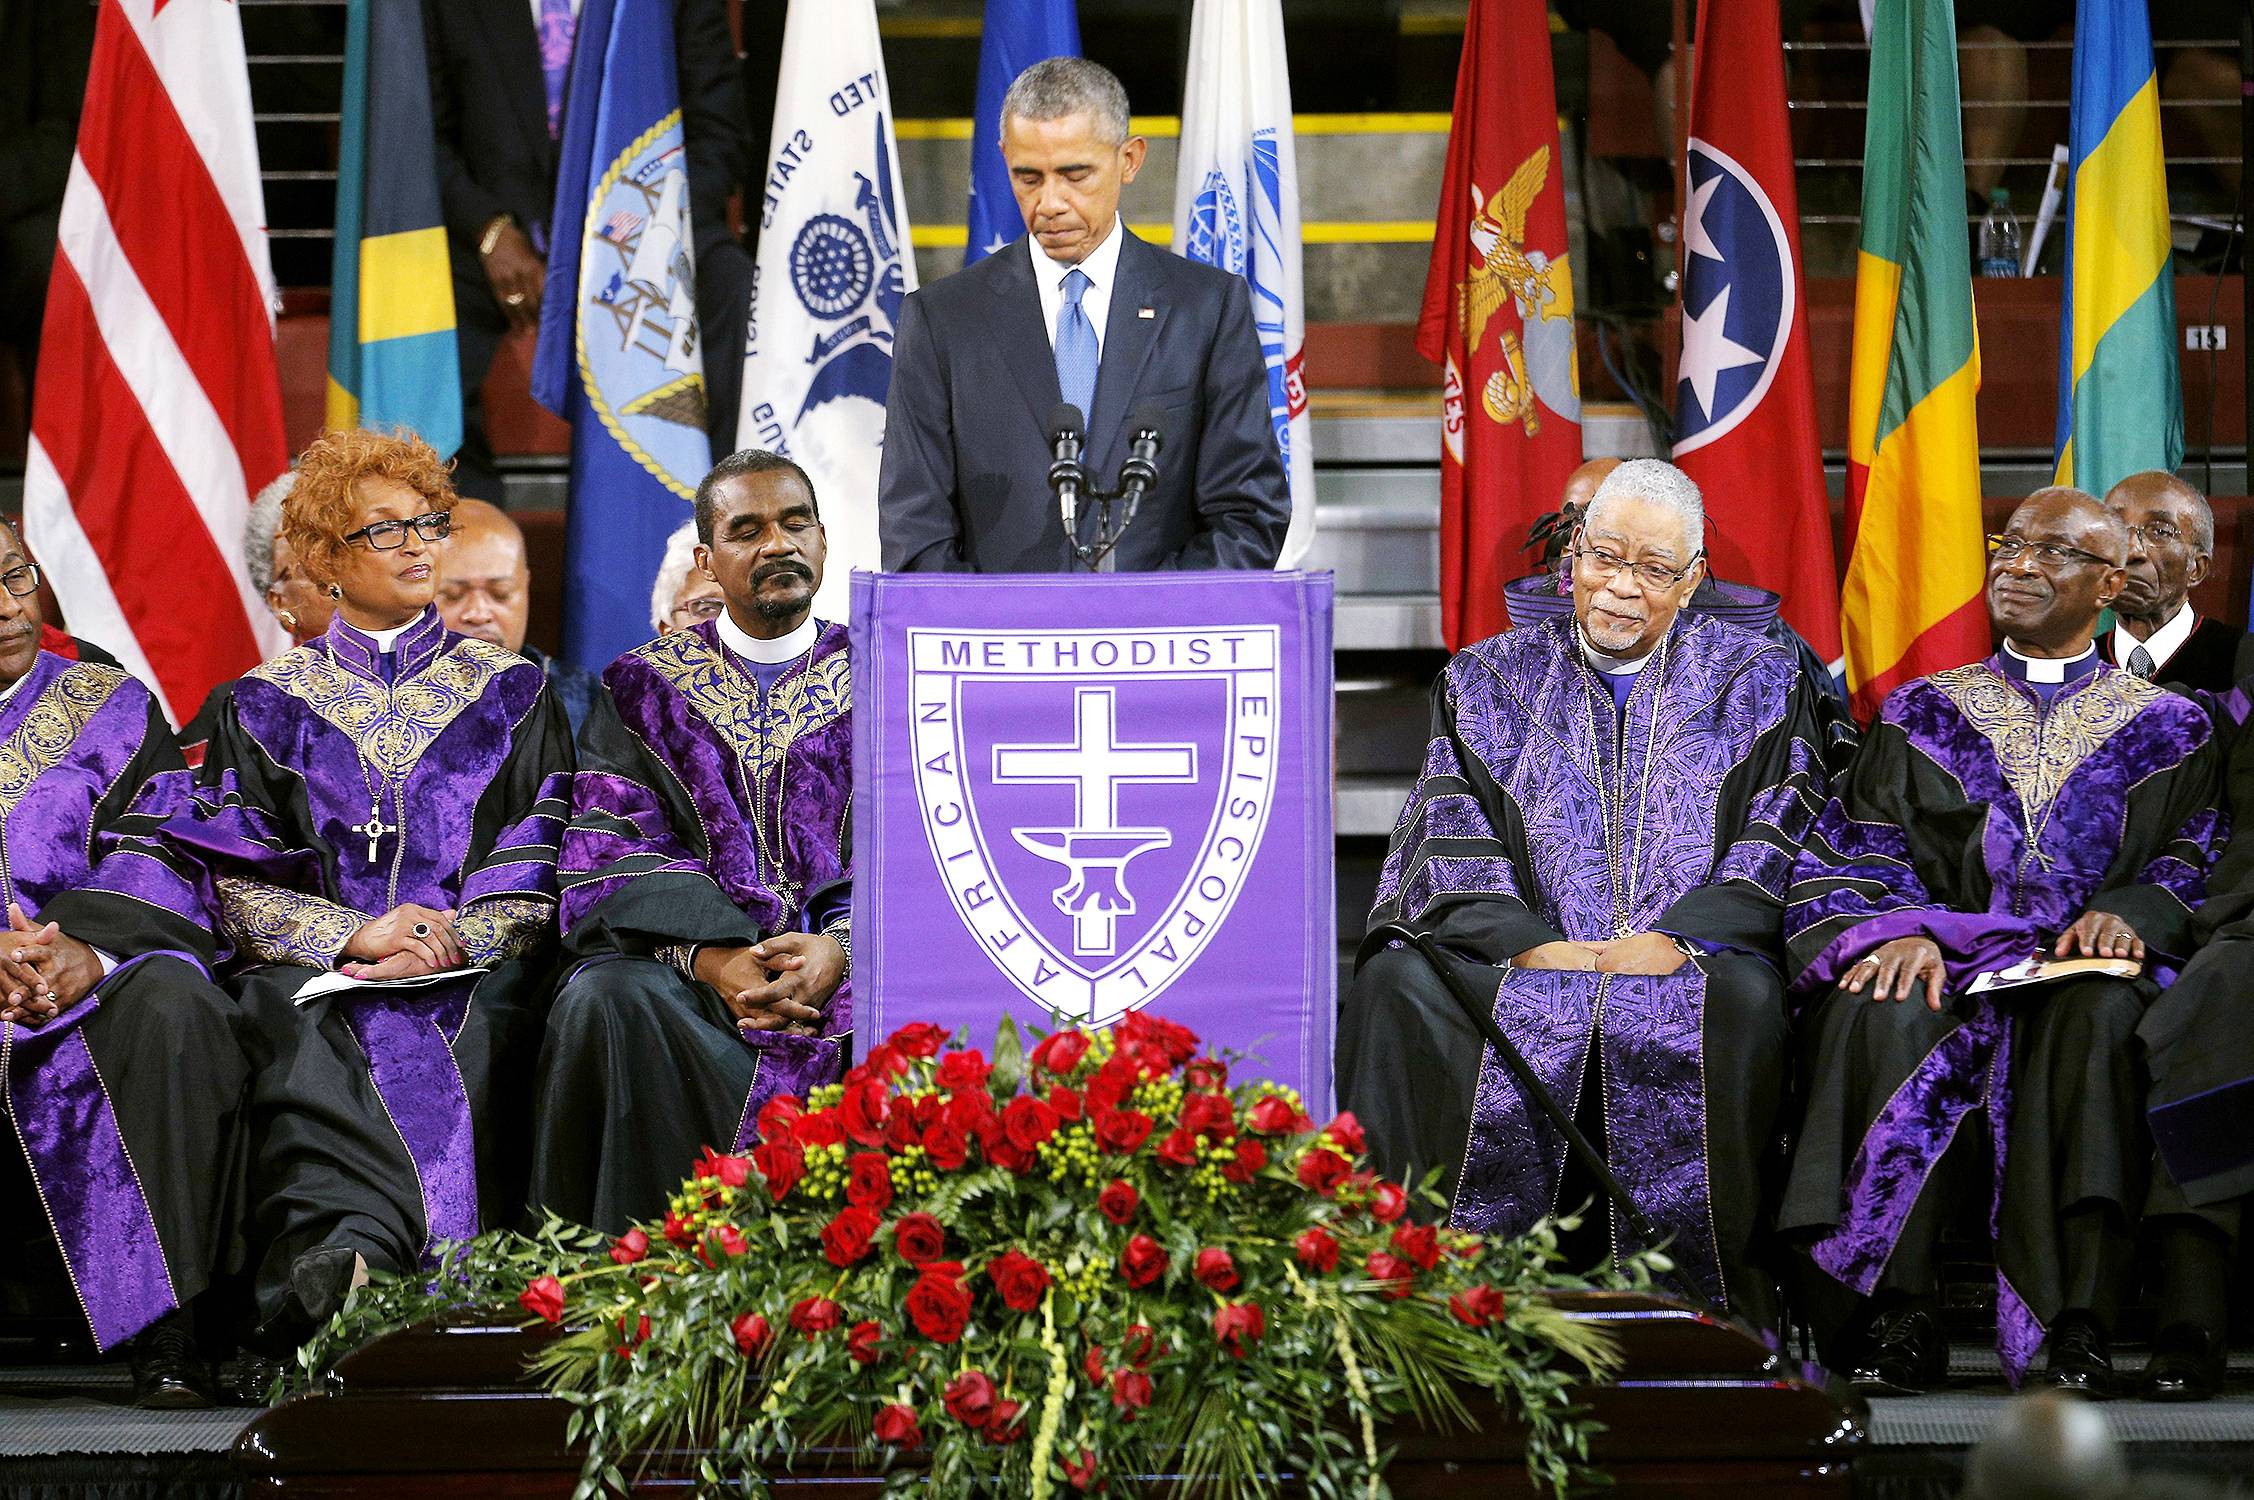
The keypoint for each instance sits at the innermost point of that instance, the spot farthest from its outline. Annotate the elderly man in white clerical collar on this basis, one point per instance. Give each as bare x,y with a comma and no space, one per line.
1601,836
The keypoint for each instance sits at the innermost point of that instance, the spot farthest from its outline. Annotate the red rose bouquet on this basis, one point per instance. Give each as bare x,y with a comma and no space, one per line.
1041,1274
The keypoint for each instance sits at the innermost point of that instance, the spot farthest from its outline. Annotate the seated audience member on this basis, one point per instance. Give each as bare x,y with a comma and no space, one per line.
371,803
1607,815
706,871
123,1079
684,594
302,609
2037,802
2199,1053
2156,633
485,591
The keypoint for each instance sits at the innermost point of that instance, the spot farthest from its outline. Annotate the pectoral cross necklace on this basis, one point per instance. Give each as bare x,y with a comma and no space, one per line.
375,828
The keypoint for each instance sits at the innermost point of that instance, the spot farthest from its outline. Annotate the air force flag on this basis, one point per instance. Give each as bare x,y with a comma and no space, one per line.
1236,206
619,357
834,267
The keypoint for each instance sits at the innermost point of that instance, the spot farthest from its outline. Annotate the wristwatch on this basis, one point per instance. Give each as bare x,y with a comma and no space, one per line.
491,235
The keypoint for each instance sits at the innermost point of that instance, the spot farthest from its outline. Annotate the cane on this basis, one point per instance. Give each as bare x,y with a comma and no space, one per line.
1522,1072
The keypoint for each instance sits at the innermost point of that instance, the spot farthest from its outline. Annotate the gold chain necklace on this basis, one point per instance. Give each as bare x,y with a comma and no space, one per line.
1613,799
770,838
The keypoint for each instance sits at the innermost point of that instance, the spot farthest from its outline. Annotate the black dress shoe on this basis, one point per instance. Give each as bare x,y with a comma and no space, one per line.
2186,1365
2079,1359
168,1374
1904,1354
249,1379
320,1279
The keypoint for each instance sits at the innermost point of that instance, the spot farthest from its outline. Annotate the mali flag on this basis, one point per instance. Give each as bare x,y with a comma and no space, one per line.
2120,395
391,309
1912,600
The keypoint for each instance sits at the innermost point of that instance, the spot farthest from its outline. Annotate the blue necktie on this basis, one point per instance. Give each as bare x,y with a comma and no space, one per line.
1077,354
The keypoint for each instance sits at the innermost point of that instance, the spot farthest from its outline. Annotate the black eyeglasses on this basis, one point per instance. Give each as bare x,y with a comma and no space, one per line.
384,536
2008,549
22,580
1604,566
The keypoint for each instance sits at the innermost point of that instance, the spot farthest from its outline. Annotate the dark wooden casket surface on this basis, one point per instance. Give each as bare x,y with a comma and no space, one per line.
1701,1408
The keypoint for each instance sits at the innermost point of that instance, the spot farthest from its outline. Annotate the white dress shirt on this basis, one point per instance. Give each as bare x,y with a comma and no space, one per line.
766,652
2165,642
575,4
1102,270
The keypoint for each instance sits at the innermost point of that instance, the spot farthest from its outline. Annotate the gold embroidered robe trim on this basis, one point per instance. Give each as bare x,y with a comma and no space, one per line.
392,726
504,927
51,726
281,926
2037,751
802,703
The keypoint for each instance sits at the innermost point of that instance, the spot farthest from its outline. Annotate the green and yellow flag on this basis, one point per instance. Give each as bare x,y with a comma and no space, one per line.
2120,394
1911,602
392,361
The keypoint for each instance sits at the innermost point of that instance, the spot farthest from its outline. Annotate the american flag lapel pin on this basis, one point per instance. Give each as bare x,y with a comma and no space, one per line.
1146,312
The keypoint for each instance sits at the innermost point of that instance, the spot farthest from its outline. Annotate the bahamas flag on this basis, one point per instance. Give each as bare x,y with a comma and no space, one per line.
1911,602
2120,396
619,357
391,307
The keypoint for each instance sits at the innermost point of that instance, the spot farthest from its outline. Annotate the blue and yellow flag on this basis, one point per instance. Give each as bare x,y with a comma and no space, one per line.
2120,396
392,361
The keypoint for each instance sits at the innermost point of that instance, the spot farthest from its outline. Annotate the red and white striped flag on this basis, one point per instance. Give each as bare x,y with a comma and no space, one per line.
159,410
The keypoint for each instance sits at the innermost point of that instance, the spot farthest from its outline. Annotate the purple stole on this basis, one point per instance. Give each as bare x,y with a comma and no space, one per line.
67,734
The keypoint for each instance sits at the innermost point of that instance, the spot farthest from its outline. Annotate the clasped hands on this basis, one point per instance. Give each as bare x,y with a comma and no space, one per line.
44,971
1892,971
780,983
403,943
1638,953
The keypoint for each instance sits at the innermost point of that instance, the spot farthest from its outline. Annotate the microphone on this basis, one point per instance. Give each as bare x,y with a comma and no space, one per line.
1066,476
1140,470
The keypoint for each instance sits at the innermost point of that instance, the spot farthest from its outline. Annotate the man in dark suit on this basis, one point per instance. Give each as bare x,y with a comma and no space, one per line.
498,69
1078,311
2156,633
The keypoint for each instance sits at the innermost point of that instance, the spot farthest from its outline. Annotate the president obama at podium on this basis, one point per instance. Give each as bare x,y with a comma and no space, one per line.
1158,352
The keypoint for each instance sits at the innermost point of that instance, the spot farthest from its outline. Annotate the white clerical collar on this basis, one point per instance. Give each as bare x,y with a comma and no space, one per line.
2163,643
386,640
2050,668
1611,666
1099,266
766,652
11,689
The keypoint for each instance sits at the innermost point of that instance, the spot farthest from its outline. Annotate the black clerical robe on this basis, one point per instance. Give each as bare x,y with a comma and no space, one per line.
708,811
341,782
1546,813
126,1106
1988,819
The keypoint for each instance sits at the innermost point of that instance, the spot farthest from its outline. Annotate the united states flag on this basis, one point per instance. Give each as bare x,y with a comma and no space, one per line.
158,410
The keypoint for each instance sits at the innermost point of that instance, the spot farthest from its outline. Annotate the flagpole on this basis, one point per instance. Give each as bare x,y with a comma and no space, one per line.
1685,89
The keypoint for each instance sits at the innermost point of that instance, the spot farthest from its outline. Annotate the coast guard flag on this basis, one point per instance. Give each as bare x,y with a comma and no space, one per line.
1745,398
834,267
1236,206
159,409
1017,34
2120,393
619,357
392,361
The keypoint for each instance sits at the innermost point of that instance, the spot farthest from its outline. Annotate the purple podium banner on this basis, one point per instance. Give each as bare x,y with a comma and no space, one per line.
1079,796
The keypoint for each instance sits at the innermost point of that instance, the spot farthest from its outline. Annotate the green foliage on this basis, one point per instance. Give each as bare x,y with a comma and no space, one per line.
1081,1377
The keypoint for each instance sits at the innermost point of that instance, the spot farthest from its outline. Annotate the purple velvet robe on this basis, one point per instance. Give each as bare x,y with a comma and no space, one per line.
706,813
1974,818
87,767
330,795
1542,815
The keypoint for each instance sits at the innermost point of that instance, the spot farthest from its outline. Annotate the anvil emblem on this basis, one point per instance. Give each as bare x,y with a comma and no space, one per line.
1095,849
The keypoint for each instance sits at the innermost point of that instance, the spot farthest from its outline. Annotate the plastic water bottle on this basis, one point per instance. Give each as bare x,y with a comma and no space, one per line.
1999,237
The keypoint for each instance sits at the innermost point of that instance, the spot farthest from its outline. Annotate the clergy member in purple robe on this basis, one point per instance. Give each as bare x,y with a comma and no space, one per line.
2039,802
706,872
1608,814
122,1075
372,806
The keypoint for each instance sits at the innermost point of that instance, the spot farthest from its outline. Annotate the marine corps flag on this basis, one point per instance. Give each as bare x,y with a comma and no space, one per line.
1498,314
